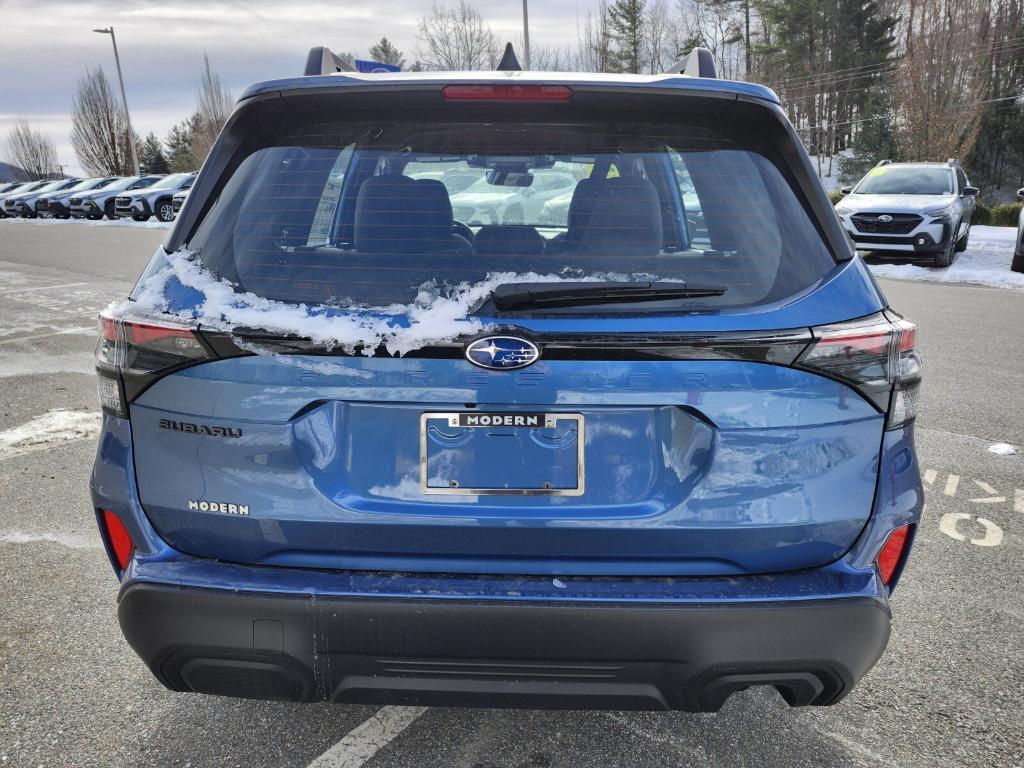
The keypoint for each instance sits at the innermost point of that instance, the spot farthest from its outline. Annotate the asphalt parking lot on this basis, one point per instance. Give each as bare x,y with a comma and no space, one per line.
949,691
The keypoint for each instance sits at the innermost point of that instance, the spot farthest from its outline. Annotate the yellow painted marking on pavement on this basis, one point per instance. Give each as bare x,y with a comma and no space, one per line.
929,476
1018,500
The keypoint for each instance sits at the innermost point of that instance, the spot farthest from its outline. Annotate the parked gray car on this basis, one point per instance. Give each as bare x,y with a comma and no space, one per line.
24,203
922,210
56,205
154,200
100,202
9,203
12,188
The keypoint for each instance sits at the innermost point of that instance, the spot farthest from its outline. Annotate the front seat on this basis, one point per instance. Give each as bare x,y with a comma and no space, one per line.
622,217
397,214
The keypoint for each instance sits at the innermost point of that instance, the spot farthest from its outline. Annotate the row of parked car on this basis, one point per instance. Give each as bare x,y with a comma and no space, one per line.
114,197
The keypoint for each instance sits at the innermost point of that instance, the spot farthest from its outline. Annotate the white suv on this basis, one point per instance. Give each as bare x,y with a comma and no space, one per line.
924,209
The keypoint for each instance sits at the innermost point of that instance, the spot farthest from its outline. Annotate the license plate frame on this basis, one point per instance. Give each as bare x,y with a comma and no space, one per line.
457,419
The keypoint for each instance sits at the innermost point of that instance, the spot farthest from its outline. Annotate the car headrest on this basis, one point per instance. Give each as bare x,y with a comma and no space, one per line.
396,214
508,239
624,218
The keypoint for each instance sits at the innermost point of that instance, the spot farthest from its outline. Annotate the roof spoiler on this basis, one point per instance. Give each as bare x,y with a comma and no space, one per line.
323,61
697,63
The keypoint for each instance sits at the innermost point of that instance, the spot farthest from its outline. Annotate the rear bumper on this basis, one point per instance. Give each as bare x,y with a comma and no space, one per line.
566,654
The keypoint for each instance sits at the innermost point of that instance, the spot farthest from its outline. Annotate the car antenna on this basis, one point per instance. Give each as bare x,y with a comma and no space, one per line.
509,62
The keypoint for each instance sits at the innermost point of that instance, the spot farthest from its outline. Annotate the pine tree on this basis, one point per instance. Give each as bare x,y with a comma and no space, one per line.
626,24
179,147
386,53
152,158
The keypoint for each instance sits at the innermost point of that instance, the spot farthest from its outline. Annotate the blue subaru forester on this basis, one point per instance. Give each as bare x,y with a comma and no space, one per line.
649,448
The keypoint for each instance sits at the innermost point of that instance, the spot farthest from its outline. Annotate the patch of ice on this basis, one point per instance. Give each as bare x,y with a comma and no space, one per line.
59,425
434,317
63,539
985,262
36,363
1002,449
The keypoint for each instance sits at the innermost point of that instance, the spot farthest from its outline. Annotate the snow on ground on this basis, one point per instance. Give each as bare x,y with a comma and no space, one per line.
1003,449
59,425
985,262
151,224
829,181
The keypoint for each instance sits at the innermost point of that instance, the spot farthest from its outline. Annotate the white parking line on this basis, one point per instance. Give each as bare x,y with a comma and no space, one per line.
42,288
366,740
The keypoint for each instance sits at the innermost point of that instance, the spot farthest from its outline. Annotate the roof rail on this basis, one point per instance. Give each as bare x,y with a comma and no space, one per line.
880,163
509,62
697,63
323,61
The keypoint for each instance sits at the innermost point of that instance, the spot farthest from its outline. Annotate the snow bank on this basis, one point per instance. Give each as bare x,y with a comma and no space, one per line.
985,262
438,315
57,426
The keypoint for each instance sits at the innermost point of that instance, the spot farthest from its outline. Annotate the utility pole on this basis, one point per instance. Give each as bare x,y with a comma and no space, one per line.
124,99
526,33
746,39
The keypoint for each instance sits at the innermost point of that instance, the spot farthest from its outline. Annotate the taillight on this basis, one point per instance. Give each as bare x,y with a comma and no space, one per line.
131,353
877,356
506,93
891,554
121,544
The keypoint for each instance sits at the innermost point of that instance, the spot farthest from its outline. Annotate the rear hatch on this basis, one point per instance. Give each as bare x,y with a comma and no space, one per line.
328,370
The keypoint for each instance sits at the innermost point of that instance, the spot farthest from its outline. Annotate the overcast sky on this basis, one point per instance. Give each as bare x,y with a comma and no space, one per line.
45,46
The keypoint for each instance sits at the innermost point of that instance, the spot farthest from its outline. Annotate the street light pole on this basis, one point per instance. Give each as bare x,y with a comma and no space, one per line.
526,33
124,99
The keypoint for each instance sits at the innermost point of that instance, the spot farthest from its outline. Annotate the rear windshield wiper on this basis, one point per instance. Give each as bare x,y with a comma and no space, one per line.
510,297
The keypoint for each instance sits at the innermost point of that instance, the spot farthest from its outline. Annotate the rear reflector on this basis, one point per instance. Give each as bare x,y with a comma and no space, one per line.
889,556
506,93
121,543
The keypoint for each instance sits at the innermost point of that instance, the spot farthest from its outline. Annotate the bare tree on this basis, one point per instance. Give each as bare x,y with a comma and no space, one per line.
943,77
659,36
99,128
716,26
213,107
595,40
455,38
31,152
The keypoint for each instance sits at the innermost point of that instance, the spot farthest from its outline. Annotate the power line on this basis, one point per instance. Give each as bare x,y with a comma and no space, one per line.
1002,46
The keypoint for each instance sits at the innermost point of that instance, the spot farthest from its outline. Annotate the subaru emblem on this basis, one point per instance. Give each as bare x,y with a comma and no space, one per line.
502,353
885,218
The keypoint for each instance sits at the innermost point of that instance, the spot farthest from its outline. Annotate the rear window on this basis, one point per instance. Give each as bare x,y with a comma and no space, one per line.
367,214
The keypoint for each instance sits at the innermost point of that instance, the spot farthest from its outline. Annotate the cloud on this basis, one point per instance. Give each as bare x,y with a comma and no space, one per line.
48,45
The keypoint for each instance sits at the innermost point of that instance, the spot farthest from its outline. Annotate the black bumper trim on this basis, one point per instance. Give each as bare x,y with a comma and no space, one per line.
507,653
